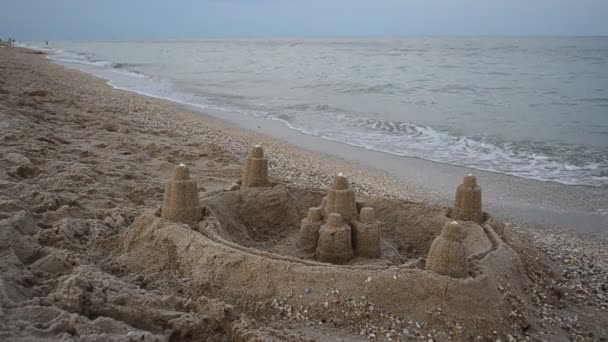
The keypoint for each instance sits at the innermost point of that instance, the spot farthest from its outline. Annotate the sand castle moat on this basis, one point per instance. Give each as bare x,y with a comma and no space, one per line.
281,242
289,222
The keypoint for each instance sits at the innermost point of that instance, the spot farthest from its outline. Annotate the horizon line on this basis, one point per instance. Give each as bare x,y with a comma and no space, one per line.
315,37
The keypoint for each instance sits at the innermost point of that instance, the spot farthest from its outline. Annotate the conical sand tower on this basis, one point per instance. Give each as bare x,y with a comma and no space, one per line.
180,203
447,255
366,234
467,206
335,241
340,199
255,173
308,235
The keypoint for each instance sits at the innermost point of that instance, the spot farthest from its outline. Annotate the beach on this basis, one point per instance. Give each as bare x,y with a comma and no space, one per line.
399,106
83,161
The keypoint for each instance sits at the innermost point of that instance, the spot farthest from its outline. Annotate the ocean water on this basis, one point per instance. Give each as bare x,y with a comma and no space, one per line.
529,107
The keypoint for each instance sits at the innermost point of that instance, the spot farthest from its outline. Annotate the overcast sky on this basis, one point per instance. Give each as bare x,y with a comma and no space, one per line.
164,19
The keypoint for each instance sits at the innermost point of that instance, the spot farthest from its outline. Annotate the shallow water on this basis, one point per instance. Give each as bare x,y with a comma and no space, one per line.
530,107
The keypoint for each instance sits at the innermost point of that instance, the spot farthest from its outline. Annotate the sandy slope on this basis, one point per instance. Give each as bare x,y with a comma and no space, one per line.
81,162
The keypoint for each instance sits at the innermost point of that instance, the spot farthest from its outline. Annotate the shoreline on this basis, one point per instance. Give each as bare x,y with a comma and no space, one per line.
582,209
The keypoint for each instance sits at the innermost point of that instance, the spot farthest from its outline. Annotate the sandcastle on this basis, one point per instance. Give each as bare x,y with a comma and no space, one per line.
335,241
340,199
366,234
467,205
309,230
346,233
255,173
448,255
180,203
443,262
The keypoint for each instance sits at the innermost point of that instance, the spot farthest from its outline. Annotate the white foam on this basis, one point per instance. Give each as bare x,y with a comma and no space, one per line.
426,143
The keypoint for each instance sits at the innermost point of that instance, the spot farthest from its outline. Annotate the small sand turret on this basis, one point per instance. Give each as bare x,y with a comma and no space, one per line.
255,173
447,255
340,199
335,241
350,227
308,235
180,203
366,234
467,206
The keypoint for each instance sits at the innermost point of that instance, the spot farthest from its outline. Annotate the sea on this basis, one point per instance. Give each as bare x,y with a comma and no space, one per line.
533,107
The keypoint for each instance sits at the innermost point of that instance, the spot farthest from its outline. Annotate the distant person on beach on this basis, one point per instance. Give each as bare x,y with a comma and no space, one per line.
46,42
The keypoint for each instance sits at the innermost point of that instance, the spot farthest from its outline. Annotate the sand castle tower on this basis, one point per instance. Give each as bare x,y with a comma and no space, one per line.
350,227
255,173
335,241
467,206
447,255
180,203
340,199
366,234
308,235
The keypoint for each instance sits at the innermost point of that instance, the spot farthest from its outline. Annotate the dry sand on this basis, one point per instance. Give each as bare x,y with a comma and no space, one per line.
84,254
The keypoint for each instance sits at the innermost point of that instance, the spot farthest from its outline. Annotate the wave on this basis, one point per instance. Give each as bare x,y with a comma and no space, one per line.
73,57
565,164
385,88
129,68
125,65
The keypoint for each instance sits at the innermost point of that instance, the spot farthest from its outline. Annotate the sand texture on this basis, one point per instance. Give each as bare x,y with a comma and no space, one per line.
103,239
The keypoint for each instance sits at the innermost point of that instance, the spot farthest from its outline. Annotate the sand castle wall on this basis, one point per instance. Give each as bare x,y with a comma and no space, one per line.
458,299
242,230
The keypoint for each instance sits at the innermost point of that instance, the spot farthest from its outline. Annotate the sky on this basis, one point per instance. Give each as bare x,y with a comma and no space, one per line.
184,19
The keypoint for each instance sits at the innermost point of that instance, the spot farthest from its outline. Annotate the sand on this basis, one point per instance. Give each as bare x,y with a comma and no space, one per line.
86,255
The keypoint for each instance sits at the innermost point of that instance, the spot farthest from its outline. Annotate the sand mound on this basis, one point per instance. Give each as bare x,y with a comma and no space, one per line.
245,249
